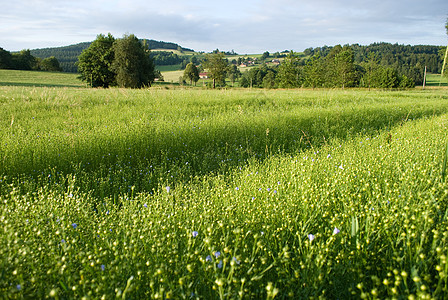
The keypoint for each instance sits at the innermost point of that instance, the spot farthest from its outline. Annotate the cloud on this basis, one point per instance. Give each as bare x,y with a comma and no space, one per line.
246,26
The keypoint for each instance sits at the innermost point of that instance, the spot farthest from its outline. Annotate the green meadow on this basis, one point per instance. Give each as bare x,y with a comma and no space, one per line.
222,194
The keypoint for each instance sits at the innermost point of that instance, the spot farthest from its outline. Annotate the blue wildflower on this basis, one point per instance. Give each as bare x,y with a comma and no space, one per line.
220,264
208,258
311,237
103,267
195,233
217,254
74,225
336,230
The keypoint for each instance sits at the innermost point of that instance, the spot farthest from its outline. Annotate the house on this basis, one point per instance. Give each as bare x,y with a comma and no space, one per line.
203,75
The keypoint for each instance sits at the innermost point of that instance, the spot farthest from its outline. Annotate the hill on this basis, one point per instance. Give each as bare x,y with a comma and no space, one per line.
68,55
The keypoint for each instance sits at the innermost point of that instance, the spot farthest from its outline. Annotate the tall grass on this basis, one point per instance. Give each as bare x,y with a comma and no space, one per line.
223,194
158,137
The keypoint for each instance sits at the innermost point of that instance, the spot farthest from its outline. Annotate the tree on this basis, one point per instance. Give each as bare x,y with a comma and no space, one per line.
132,64
315,71
446,52
24,60
50,64
5,59
289,74
371,65
234,74
265,55
269,80
191,73
95,62
217,67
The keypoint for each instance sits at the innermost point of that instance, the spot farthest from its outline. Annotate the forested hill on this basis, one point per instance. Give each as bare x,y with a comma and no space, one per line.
68,55
393,55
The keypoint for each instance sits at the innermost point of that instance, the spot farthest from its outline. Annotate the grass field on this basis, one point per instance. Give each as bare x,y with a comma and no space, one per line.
34,78
223,194
436,80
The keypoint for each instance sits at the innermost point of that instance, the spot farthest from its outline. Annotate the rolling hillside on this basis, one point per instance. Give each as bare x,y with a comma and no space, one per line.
68,55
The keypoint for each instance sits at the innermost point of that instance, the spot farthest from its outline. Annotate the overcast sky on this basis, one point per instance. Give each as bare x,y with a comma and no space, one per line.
251,26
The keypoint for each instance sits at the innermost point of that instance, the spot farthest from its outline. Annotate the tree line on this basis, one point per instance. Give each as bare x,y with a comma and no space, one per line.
23,60
375,66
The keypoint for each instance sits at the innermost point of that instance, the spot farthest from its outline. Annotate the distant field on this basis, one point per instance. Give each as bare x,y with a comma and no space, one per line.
436,80
36,78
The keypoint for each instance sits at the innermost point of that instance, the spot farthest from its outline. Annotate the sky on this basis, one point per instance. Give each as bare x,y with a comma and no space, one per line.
252,26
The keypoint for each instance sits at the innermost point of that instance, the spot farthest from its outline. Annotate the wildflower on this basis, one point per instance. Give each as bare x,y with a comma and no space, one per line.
217,254
74,225
167,189
62,241
103,267
19,287
208,258
268,189
220,264
236,260
311,237
341,167
195,233
237,188
70,195
329,155
145,205
336,230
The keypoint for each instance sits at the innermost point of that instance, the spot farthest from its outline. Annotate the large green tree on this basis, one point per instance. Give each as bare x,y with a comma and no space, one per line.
95,62
217,66
133,65
191,73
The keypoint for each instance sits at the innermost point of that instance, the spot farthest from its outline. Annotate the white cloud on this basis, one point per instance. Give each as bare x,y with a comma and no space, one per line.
246,26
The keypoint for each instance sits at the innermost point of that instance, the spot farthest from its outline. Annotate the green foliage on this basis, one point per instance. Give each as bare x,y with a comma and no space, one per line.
24,61
234,73
314,72
255,77
327,194
5,59
289,74
217,66
124,62
95,62
132,65
50,64
191,73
